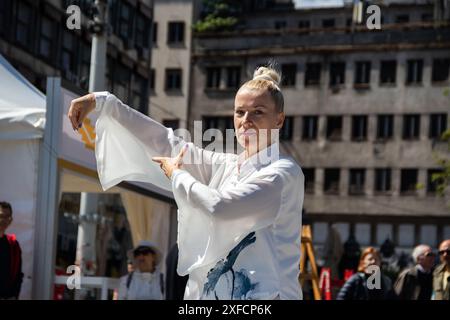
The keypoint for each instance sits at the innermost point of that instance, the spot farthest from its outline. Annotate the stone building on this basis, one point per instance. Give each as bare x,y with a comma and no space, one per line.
365,109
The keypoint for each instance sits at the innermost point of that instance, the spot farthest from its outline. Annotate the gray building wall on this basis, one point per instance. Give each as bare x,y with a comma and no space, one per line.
369,215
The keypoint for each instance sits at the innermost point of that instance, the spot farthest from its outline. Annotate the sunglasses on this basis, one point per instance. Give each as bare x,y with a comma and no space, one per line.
429,254
143,251
444,251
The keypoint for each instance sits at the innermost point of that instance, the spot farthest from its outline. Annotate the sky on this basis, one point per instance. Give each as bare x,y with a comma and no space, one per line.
318,3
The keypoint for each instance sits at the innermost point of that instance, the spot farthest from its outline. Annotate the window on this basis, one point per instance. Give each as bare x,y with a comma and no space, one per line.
171,123
356,181
385,231
152,79
438,124
428,234
139,93
85,64
141,31
233,77
349,22
221,123
173,79
432,181
280,25
4,15
411,126
334,128
363,233
385,126
382,180
332,177
287,129
388,72
414,72
125,22
309,179
213,75
406,235
328,23
440,70
359,128
176,33
402,18
68,55
312,74
304,24
362,74
408,181
343,229
309,127
320,232
122,79
47,37
289,72
24,26
337,73
155,33
427,17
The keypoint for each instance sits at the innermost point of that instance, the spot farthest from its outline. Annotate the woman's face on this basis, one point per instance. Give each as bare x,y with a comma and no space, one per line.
145,261
255,115
370,260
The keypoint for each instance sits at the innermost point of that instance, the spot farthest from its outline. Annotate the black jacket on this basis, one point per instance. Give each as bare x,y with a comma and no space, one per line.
356,289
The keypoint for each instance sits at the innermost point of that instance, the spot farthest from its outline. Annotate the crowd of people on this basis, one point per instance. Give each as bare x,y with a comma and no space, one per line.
423,281
146,281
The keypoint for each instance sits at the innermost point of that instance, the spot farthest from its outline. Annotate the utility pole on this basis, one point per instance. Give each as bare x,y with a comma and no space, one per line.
86,242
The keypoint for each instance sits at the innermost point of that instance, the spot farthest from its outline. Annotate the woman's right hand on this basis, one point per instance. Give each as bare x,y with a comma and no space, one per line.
79,109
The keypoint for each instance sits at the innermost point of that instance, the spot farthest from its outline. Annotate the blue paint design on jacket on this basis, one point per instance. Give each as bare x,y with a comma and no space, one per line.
239,282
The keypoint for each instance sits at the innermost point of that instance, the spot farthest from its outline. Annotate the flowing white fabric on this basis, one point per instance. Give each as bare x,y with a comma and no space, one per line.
238,226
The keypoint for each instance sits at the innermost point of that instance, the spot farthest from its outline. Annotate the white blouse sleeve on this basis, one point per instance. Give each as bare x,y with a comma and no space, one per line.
126,140
212,222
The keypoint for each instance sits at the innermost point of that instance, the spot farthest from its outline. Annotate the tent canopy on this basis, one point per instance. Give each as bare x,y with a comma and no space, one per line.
22,106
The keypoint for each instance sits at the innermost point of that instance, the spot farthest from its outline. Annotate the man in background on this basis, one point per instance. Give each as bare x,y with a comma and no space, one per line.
416,283
11,275
441,275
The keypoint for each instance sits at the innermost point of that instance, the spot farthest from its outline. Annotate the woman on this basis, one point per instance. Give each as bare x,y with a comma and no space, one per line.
368,283
146,281
239,217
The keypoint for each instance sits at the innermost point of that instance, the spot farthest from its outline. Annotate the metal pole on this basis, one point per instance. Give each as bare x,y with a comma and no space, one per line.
86,243
47,197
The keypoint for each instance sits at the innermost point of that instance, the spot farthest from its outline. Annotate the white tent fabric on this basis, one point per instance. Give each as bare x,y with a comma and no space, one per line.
18,186
22,120
149,218
22,106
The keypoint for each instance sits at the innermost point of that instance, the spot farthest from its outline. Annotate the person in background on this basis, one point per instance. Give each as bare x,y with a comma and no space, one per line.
441,275
359,286
145,282
11,275
416,283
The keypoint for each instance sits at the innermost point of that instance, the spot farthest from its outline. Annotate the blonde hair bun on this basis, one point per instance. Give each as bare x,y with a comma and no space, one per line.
265,73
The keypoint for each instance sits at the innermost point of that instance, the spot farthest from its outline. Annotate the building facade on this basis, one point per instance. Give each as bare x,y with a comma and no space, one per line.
365,110
35,39
171,61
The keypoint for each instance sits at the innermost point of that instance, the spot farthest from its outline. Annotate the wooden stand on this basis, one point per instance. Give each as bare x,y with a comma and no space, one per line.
307,252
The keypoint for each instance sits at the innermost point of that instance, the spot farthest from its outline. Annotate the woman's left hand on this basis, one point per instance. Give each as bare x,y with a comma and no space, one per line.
168,165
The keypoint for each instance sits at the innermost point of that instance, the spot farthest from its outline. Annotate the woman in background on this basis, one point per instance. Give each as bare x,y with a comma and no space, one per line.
369,283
